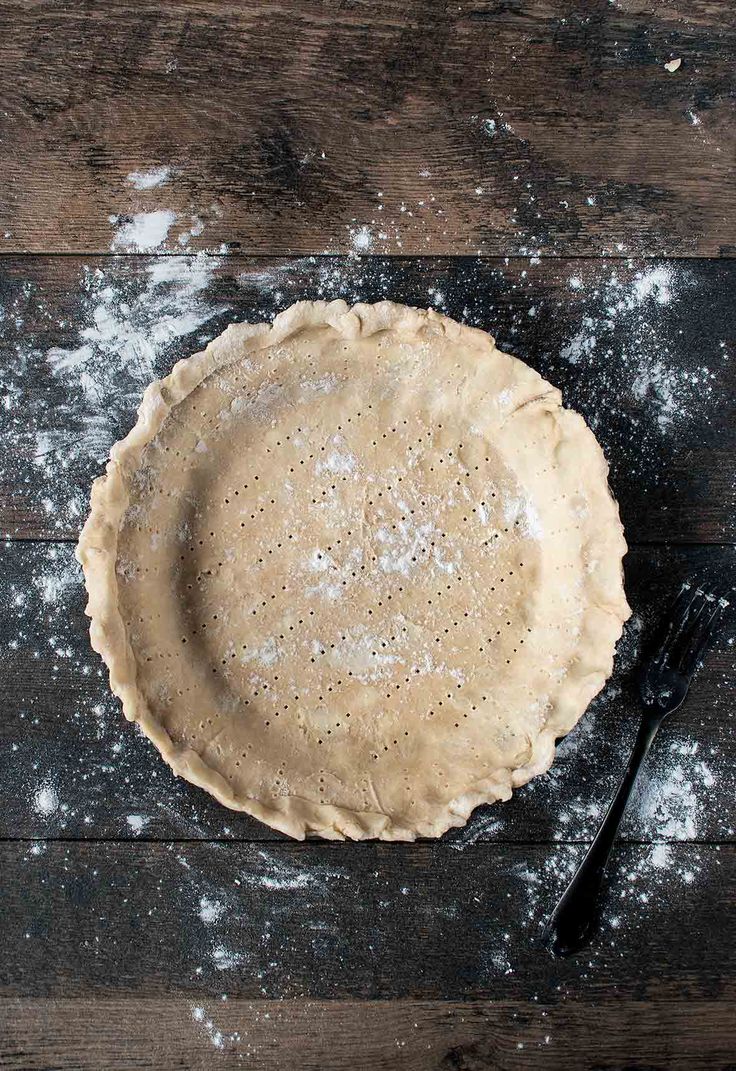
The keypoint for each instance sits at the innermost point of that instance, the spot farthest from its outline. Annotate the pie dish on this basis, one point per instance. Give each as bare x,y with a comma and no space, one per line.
355,571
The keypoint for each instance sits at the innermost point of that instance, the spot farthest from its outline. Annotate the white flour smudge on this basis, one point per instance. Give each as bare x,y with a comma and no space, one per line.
46,801
267,654
59,576
659,386
524,513
582,344
623,350
144,232
128,326
403,548
137,822
196,227
653,873
339,464
225,959
361,239
481,826
661,856
210,910
279,876
672,792
148,180
654,283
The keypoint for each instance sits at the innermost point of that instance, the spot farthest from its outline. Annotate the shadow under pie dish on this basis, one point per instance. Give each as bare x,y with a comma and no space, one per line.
355,571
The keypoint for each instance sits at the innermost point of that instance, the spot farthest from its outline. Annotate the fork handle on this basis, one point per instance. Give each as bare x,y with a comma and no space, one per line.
574,918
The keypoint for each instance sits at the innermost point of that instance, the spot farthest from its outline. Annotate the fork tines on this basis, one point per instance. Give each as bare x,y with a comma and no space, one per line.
694,619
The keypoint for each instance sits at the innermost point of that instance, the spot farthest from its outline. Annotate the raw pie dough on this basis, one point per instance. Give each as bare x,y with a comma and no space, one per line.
355,571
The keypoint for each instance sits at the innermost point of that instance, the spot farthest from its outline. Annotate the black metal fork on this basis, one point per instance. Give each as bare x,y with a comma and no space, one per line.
663,685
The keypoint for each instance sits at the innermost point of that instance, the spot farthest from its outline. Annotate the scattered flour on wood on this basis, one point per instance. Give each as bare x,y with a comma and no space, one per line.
148,180
46,801
210,910
57,577
226,959
137,823
142,232
196,227
672,792
626,357
220,1040
482,825
279,876
123,344
129,328
361,239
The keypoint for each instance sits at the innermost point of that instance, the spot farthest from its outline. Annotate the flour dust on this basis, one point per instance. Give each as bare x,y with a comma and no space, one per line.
606,333
131,325
614,352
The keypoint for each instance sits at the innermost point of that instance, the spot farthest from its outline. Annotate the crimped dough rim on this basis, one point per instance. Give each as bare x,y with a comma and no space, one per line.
98,547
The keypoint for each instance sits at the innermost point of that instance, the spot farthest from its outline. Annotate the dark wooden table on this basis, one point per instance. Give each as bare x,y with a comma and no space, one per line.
528,167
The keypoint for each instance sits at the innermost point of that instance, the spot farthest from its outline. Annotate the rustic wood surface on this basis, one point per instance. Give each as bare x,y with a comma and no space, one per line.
642,349
169,1033
55,688
532,169
439,128
369,920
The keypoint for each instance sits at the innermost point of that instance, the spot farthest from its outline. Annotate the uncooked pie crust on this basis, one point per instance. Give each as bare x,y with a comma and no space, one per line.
354,572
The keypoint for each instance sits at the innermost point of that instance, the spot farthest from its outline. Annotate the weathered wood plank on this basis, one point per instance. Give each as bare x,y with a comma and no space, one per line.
75,768
642,349
113,1034
358,921
303,127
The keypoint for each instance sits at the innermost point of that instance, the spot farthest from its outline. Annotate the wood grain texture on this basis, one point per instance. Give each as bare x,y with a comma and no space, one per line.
114,1034
65,732
642,350
290,125
447,134
366,921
